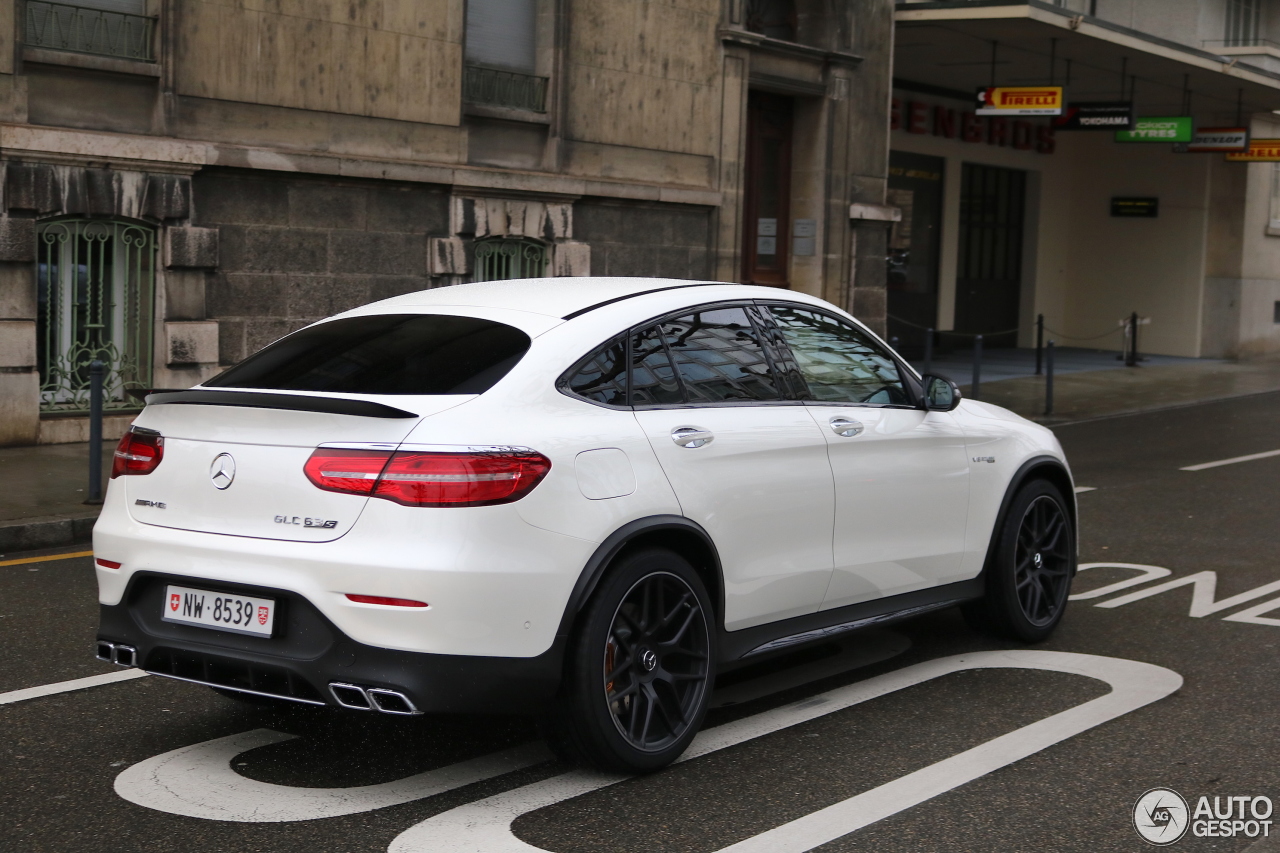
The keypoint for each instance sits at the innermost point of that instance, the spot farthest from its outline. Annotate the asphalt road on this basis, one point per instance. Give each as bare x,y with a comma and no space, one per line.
60,755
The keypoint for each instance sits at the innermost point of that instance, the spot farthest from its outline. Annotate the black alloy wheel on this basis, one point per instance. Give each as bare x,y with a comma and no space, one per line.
655,661
1042,561
640,667
1029,574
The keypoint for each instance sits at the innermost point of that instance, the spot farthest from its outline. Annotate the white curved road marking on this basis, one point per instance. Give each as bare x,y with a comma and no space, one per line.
485,826
66,686
1233,460
1149,573
197,781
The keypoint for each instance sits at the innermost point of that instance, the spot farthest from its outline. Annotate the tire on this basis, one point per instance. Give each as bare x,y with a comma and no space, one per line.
1029,576
639,669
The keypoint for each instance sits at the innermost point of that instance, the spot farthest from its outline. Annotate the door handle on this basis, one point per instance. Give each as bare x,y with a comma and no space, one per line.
846,427
691,436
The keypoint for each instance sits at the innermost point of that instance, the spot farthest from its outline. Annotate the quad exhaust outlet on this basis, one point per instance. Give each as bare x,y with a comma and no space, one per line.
359,698
117,653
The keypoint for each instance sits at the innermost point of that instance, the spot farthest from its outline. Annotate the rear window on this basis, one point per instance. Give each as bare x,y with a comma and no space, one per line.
385,354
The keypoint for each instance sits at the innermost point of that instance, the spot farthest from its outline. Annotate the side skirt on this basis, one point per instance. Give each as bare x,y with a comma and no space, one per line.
814,627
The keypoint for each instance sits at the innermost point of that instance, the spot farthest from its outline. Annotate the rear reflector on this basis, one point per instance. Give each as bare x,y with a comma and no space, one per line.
389,602
137,453
418,478
106,564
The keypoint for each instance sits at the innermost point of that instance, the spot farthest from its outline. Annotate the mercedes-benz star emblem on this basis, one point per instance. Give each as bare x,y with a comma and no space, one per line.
223,471
648,660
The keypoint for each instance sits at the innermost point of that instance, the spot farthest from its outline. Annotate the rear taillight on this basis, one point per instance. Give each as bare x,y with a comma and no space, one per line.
426,478
137,453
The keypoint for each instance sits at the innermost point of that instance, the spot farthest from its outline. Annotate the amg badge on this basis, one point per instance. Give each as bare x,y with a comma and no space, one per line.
156,504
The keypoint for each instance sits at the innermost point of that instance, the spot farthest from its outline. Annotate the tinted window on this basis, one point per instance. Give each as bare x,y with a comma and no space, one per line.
840,363
602,376
653,380
385,354
718,356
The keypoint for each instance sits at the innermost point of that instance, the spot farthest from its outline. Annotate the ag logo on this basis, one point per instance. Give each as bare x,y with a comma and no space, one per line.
1161,816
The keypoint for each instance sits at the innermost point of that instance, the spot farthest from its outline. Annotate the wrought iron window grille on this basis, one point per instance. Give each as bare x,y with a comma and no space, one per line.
496,87
59,26
499,258
95,282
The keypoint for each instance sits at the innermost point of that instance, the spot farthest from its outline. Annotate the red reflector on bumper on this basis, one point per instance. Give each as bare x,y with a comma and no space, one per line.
388,602
106,564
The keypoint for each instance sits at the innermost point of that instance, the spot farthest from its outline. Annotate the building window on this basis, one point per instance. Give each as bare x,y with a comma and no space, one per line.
502,54
773,18
1243,22
503,257
1275,199
116,28
95,282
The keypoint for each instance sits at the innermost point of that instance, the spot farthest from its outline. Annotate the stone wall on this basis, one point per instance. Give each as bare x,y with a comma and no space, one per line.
627,239
297,249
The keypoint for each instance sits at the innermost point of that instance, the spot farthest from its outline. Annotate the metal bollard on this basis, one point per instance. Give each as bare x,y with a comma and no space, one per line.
1039,340
97,370
1048,380
977,368
1133,339
928,350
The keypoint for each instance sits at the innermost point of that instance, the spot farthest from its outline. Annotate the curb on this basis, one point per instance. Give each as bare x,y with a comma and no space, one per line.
54,531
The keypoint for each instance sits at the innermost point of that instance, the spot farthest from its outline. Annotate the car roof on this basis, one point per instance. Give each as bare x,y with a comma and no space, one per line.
553,297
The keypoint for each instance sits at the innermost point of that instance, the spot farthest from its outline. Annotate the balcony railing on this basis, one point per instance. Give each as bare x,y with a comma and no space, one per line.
496,88
57,26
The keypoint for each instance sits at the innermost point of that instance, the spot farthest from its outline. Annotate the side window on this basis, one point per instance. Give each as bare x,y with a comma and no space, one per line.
840,363
719,357
653,379
602,376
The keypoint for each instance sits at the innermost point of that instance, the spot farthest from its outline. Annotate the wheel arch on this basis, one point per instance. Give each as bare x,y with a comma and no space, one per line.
1037,468
675,532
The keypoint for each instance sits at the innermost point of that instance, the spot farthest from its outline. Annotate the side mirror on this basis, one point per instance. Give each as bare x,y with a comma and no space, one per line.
940,393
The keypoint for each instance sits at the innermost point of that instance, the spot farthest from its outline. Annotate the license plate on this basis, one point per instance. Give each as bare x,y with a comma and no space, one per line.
240,613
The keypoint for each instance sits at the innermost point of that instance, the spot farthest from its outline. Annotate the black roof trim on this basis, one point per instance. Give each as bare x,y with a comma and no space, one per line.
582,311
290,402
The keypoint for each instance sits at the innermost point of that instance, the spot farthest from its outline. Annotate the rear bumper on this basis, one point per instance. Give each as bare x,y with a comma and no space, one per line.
308,653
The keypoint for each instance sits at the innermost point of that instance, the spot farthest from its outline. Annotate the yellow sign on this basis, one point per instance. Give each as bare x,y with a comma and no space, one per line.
1260,151
1020,101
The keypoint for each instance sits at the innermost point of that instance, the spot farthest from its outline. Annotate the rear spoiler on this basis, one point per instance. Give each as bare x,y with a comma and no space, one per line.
290,402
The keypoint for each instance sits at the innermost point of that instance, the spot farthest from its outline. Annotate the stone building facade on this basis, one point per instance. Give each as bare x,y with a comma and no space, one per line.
185,181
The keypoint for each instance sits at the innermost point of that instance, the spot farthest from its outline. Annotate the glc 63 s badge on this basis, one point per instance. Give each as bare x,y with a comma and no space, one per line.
303,521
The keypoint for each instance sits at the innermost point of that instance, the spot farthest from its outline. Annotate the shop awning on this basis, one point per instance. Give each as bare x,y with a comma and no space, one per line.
948,46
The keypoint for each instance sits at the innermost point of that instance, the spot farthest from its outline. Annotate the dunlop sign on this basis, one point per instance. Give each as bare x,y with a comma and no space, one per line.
1260,151
1020,101
1213,139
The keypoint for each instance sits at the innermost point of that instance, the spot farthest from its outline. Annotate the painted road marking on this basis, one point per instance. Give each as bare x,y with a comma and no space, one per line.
1149,573
1080,490
67,686
1204,592
485,826
197,781
1252,456
25,560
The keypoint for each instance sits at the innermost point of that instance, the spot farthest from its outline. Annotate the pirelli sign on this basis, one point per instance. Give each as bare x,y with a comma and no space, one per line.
1260,151
1020,101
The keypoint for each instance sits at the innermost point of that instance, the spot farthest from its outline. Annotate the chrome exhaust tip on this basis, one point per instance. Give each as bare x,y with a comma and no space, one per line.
105,651
350,696
392,702
125,656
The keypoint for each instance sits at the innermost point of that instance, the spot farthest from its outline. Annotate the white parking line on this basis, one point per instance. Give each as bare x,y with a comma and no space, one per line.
1233,460
197,781
484,826
1082,489
66,686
